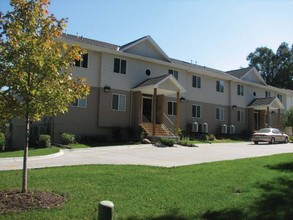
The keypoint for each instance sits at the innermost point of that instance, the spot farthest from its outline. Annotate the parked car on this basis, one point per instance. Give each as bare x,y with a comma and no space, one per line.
271,135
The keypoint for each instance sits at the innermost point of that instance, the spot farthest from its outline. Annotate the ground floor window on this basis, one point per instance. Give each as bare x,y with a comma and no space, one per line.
196,111
220,114
172,108
119,102
240,116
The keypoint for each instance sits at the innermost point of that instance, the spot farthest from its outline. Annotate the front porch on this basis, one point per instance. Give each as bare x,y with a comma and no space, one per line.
151,100
264,112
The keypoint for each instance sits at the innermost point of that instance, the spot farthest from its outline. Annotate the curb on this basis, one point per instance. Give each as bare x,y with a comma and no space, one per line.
58,154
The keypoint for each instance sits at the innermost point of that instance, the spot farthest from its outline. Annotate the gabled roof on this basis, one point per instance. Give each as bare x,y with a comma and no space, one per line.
249,74
239,73
148,39
166,84
264,103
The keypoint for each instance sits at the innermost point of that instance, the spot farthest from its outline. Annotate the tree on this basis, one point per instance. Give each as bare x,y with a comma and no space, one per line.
275,68
35,66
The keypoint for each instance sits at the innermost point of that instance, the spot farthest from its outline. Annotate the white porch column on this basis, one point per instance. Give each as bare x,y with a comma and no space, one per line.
154,111
177,113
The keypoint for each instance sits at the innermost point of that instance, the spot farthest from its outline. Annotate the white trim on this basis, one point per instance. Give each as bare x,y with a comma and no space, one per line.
119,95
200,111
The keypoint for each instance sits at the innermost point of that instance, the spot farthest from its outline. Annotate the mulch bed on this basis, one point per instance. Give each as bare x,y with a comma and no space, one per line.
15,201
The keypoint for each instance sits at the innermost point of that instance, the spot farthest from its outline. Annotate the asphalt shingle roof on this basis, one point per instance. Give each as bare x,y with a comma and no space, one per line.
262,101
152,81
239,73
84,40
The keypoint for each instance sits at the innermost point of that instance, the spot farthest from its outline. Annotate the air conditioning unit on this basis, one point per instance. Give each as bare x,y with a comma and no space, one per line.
204,128
231,129
223,129
194,127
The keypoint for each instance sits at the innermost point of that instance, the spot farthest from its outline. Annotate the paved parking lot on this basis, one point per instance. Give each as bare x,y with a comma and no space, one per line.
149,155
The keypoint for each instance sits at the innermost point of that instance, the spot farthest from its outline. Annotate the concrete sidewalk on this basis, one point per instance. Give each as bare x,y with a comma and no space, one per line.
149,155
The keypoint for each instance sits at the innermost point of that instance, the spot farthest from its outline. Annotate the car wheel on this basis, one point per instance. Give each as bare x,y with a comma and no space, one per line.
286,140
272,141
255,142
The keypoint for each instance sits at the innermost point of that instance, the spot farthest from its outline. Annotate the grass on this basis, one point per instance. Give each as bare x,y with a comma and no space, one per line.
256,188
31,152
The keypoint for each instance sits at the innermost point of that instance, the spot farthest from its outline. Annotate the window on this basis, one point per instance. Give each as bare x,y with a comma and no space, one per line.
196,111
240,90
268,94
280,97
171,108
83,62
220,114
174,73
80,103
240,116
220,86
119,102
120,66
196,81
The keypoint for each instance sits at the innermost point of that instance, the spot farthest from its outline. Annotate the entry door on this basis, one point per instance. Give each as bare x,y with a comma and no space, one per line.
147,109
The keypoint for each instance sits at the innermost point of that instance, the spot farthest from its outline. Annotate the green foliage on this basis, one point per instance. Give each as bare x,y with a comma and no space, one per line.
67,138
44,140
210,137
288,118
2,140
185,141
275,68
32,152
167,141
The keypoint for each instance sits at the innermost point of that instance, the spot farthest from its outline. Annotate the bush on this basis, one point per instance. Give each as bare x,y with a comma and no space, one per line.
210,137
67,138
44,140
2,140
167,141
185,142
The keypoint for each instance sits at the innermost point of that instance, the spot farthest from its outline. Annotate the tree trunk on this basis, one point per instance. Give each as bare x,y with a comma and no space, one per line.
25,155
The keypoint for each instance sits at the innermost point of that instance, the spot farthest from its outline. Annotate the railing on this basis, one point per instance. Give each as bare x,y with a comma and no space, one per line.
169,125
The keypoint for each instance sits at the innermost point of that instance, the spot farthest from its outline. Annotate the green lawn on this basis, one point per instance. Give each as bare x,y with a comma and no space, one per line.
258,188
31,152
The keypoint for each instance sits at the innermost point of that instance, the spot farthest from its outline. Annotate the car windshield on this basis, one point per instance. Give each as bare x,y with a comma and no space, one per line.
264,130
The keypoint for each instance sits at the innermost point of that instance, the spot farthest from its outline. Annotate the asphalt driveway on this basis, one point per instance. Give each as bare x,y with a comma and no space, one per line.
149,155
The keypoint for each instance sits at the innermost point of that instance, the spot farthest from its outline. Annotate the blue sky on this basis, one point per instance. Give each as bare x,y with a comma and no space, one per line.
214,33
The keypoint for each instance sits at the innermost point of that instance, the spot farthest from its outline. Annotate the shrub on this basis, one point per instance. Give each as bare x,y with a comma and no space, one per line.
2,140
210,137
67,138
167,141
185,142
44,140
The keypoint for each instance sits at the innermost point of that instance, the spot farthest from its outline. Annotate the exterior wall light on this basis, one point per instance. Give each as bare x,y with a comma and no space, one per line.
234,107
182,99
107,89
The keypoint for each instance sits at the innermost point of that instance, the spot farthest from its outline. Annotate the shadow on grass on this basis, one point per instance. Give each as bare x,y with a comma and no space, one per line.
276,201
173,215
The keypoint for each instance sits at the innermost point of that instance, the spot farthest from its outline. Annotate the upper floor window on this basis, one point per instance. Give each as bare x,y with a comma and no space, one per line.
240,116
240,90
220,86
120,66
280,97
220,114
119,102
196,111
172,108
79,103
83,62
174,73
268,94
196,81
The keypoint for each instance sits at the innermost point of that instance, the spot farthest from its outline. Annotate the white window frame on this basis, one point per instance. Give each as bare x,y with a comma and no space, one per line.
280,97
120,66
268,94
240,116
173,108
78,102
240,90
221,114
197,80
83,63
220,86
121,107
197,108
